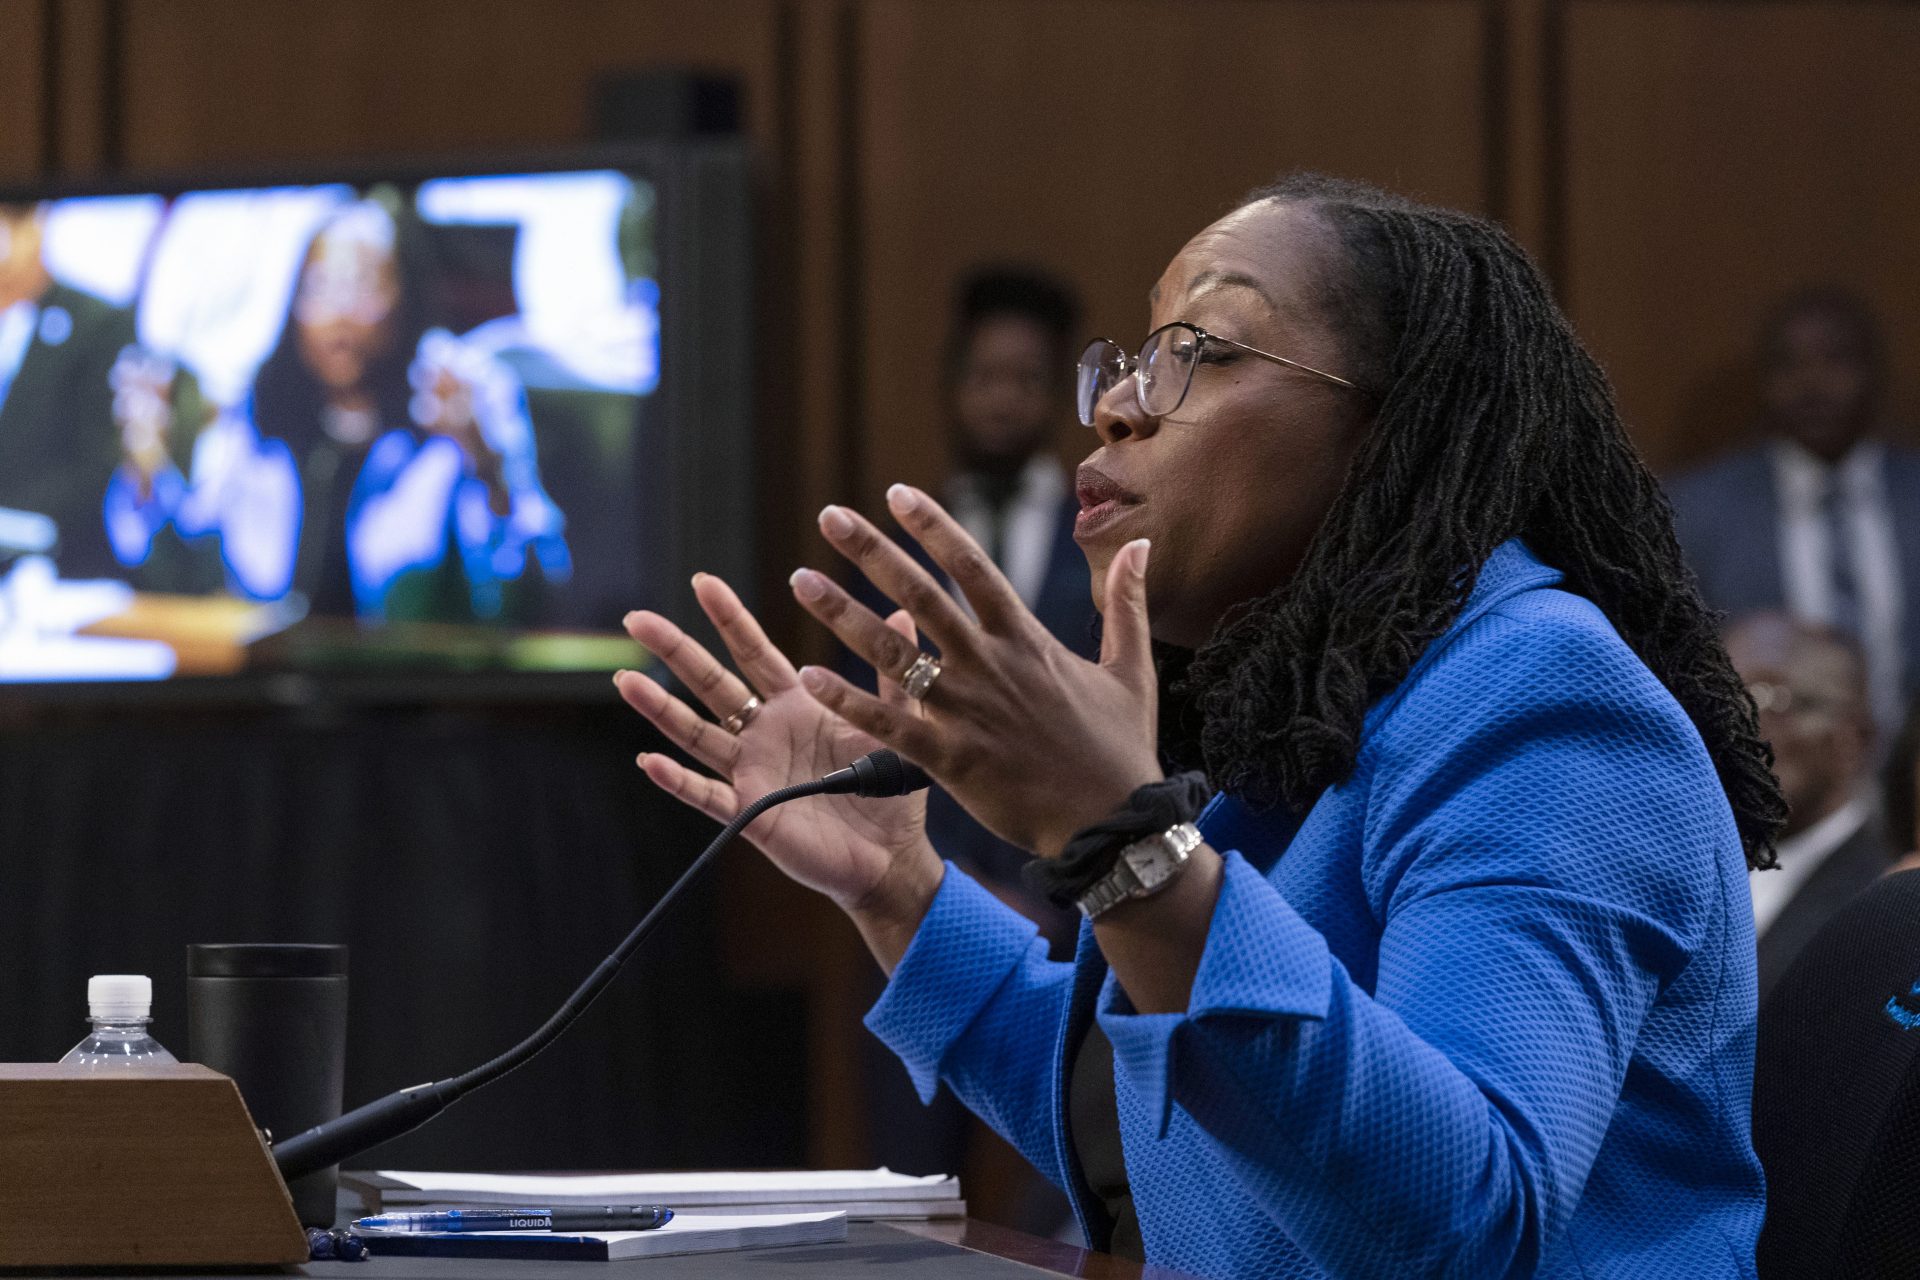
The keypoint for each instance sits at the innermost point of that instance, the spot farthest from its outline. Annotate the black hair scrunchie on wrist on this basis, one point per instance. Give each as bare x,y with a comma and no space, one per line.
1094,850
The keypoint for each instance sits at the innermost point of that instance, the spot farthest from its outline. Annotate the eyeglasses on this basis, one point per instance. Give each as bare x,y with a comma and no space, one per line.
1163,370
1784,700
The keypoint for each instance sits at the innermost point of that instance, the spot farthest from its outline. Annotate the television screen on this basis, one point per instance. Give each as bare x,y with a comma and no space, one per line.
339,424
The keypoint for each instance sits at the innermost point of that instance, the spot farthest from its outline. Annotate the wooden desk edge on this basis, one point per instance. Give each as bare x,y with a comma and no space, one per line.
1034,1251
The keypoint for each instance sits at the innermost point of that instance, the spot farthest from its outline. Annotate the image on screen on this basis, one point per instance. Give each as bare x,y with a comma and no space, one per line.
235,423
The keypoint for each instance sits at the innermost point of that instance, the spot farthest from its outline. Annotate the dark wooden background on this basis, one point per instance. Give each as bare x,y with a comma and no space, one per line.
1675,164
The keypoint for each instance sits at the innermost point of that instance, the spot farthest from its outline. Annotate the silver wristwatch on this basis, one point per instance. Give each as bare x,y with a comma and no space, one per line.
1145,867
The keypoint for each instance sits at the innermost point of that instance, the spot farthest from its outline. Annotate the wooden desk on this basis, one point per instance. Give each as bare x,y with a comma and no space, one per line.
1047,1255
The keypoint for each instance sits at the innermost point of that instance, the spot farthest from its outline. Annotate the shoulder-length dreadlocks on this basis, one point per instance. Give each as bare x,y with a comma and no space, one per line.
1492,422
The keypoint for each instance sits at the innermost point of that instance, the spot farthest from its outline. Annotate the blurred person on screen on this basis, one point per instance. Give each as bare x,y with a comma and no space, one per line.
1822,519
416,457
1809,682
64,424
377,465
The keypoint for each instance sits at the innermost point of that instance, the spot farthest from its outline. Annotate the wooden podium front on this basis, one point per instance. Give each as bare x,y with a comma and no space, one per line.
137,1167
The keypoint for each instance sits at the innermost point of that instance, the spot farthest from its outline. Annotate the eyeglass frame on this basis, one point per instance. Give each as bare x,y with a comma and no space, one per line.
1131,363
1783,699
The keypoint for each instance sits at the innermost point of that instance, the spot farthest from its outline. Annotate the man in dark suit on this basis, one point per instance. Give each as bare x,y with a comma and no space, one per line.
1821,520
59,443
1809,682
1007,388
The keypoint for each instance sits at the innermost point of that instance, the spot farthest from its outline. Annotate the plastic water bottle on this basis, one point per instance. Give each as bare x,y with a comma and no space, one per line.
119,1005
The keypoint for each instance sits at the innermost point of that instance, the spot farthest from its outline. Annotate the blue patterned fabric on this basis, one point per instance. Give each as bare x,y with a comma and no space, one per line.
1491,1015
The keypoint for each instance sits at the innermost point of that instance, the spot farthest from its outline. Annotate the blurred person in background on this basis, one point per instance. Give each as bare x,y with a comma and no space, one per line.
1900,792
1007,389
1823,519
1810,684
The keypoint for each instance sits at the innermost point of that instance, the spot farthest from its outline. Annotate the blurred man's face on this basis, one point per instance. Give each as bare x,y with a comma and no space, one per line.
1006,393
1813,711
23,277
1820,385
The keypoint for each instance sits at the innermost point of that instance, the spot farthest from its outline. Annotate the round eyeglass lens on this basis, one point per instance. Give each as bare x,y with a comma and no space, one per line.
1166,366
1102,365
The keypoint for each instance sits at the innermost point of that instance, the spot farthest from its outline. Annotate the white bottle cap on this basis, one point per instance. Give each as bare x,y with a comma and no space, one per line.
119,995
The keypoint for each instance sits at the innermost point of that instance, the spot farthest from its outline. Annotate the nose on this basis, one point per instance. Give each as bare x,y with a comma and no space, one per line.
1119,416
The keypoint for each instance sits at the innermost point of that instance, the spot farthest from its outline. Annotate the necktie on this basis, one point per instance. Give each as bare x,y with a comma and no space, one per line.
1846,584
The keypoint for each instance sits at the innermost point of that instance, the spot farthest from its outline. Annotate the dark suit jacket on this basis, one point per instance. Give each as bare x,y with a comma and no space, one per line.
58,441
1857,863
1064,606
1727,514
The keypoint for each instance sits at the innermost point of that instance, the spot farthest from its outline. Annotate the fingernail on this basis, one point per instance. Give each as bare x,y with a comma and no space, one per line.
616,675
807,584
628,620
641,759
697,577
814,678
836,521
902,499
1140,556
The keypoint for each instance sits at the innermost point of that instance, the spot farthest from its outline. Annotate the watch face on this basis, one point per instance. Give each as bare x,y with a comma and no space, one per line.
1152,863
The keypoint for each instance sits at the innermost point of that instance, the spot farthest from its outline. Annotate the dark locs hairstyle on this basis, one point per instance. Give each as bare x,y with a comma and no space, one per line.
1490,422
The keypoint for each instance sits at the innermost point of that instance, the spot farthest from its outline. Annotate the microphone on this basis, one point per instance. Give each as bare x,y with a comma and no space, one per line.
878,773
875,774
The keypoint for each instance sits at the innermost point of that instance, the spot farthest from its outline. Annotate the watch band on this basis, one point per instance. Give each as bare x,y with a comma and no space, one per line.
1143,868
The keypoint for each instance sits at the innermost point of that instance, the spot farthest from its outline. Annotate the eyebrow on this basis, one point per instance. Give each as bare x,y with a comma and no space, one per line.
1218,279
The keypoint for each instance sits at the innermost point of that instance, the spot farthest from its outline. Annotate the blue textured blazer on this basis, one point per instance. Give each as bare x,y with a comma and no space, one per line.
1492,1013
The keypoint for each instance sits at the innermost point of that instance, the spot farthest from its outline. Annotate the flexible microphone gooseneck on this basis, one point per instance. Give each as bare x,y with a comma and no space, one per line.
878,773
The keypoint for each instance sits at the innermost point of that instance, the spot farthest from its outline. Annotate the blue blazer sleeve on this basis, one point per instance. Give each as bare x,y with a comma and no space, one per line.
975,1002
1538,858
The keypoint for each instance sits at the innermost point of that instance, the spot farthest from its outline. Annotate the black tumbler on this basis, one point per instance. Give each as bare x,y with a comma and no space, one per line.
273,1016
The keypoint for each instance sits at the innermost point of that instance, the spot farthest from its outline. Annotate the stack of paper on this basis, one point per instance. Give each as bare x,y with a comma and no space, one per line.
690,1233
858,1193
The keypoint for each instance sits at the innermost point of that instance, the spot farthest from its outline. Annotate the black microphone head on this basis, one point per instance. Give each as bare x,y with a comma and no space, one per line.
884,773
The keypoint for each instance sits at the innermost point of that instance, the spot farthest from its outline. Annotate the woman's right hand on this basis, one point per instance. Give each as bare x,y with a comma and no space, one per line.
870,856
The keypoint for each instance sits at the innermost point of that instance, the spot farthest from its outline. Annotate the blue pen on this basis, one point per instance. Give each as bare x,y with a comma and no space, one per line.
612,1217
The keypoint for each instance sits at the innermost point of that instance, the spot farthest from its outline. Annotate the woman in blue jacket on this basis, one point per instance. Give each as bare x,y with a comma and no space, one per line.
1456,974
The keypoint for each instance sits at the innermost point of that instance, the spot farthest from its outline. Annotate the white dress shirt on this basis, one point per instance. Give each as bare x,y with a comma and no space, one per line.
1031,517
1807,557
1800,856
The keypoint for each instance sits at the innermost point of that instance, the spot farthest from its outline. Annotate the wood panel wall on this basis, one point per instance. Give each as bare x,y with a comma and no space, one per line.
1718,156
1143,122
1675,163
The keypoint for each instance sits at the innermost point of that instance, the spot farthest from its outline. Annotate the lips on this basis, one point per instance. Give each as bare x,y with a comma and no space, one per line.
1103,500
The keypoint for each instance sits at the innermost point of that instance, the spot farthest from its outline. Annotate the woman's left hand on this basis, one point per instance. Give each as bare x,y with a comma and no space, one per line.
1035,741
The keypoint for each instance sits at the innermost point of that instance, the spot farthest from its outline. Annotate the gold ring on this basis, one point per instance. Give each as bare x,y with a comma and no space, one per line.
744,716
919,677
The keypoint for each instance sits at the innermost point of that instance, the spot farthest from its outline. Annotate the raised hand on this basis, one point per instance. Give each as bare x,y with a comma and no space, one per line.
1034,740
853,850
